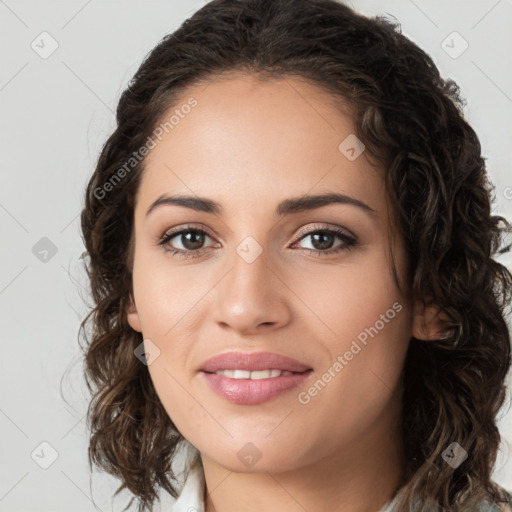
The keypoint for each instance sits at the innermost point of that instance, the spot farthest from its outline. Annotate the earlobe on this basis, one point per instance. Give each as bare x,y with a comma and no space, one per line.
132,315
429,323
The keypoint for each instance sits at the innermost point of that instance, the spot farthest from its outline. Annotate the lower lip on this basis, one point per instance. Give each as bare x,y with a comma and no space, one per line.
252,392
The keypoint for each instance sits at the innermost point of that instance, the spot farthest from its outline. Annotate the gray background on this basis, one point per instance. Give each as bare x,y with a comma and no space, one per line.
55,113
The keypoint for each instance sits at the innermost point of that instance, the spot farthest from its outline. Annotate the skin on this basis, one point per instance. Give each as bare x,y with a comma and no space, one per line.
249,145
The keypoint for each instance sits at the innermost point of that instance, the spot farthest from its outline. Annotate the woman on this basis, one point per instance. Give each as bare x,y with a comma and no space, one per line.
290,248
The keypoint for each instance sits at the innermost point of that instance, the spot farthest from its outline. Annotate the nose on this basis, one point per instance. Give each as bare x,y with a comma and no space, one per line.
252,297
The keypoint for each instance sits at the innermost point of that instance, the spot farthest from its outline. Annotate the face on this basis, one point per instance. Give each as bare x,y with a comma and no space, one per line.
311,284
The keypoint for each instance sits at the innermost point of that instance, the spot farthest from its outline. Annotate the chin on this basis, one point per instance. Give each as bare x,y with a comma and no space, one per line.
253,457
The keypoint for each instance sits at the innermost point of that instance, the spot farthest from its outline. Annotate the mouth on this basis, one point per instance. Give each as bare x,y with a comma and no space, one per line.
243,390
253,378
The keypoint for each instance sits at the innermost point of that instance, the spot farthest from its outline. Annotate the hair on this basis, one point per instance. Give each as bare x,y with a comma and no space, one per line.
411,120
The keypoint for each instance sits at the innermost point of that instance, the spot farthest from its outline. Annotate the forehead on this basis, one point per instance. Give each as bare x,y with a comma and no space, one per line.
248,142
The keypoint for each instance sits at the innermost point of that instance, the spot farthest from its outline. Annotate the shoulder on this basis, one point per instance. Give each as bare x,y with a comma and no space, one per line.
500,504
506,506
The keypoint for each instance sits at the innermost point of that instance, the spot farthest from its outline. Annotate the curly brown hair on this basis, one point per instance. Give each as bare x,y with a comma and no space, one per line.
412,121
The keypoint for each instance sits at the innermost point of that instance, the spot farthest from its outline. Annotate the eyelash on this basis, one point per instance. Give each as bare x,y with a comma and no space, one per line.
349,242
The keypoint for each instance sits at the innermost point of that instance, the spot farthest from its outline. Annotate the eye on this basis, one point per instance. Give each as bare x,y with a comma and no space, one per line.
190,238
323,238
192,241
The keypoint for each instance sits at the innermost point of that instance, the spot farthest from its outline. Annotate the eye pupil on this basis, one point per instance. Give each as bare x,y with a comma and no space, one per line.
194,243
322,245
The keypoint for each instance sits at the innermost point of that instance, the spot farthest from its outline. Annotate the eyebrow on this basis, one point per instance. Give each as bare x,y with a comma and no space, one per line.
286,207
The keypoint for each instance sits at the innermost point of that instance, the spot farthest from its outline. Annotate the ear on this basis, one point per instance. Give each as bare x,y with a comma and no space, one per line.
132,315
428,322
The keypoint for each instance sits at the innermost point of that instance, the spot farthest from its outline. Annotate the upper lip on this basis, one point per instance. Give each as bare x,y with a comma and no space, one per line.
252,361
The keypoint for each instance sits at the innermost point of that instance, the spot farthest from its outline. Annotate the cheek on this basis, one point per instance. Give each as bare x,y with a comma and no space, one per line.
343,299
363,324
360,384
166,296
171,388
165,293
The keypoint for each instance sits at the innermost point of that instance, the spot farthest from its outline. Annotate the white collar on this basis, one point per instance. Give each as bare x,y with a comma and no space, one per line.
191,498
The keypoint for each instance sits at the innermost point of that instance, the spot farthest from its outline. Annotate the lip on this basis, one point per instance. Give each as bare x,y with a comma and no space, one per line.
253,392
253,361
248,391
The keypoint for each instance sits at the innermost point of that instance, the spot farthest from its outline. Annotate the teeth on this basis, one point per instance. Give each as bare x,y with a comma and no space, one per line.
255,375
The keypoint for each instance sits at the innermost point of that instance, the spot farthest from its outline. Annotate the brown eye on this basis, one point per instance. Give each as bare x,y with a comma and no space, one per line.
191,240
323,240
